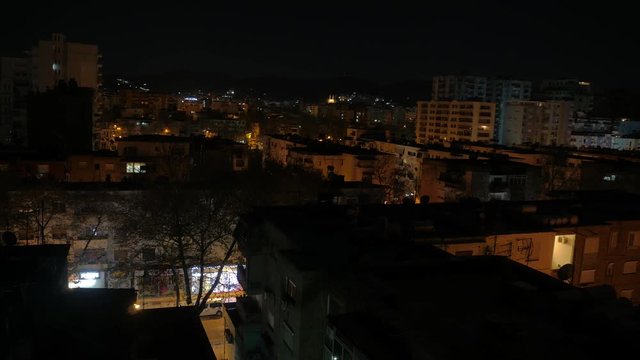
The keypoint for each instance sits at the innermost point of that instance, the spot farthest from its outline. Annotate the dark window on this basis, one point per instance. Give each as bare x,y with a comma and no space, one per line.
464,253
130,150
148,254
120,255
58,207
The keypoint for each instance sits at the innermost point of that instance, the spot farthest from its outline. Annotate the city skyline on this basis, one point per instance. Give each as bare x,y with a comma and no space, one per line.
382,45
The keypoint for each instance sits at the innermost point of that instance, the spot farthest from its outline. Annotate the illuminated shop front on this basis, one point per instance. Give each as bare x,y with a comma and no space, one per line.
87,279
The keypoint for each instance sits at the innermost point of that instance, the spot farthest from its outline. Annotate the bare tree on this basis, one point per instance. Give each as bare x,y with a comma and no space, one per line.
212,232
387,171
559,173
34,209
96,215
188,228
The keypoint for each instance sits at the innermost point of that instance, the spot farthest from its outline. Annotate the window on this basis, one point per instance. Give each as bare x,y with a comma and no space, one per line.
287,335
633,241
591,245
464,253
587,276
610,267
82,164
630,267
177,151
613,240
626,293
120,255
93,256
148,254
334,306
270,319
130,151
43,168
290,288
58,207
136,168
89,275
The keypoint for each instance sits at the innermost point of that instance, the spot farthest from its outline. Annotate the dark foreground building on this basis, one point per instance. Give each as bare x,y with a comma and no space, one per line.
43,319
337,282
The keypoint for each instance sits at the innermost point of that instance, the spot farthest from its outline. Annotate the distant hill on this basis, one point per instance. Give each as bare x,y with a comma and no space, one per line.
276,87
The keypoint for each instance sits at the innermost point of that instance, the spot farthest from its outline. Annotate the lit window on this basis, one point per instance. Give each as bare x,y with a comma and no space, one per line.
630,267
90,275
136,168
43,168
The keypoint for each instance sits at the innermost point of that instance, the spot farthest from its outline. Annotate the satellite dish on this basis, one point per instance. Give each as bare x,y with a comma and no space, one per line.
9,238
565,272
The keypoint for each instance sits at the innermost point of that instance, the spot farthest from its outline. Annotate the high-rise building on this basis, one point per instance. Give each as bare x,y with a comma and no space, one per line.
537,122
14,86
500,91
57,59
454,120
479,88
576,91
459,87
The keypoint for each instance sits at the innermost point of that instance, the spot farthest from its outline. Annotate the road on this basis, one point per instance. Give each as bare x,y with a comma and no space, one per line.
214,326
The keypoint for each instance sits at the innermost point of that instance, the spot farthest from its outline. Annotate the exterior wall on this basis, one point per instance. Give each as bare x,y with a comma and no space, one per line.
317,162
608,258
277,150
532,249
445,181
90,168
368,168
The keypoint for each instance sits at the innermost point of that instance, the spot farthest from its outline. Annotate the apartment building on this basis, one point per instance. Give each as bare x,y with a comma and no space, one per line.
455,120
537,122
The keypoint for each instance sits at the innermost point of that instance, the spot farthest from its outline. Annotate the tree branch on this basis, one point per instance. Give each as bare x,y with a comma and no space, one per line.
199,307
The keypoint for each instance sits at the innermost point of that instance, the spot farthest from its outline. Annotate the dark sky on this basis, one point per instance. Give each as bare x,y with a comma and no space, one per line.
533,40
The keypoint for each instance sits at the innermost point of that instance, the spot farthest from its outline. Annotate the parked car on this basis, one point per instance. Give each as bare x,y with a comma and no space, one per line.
213,308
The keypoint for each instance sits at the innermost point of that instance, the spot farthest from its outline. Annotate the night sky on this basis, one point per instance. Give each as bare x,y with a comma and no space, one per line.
382,44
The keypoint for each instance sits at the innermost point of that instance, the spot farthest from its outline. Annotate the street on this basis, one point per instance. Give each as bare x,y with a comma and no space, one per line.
214,326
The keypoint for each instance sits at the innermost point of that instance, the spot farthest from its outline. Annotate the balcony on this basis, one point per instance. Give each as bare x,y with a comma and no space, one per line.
453,180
